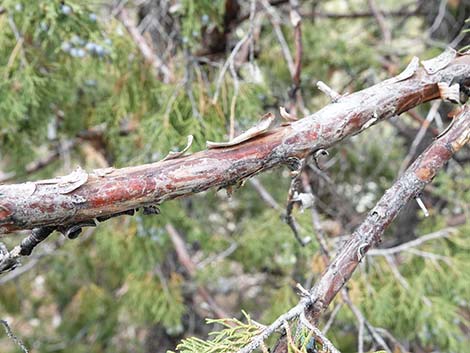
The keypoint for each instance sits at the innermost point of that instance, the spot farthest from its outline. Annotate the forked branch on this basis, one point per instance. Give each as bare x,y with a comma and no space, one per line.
369,233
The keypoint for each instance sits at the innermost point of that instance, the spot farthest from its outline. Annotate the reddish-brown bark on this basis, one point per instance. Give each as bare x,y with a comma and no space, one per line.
369,233
89,197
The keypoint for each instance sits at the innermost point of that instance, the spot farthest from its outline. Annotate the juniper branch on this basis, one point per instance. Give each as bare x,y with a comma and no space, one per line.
83,199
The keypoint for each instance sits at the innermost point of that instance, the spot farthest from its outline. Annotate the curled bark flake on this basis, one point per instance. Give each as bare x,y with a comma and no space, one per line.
73,181
130,212
305,199
446,129
439,62
260,128
103,172
407,73
30,188
72,231
286,116
449,93
361,251
370,122
174,155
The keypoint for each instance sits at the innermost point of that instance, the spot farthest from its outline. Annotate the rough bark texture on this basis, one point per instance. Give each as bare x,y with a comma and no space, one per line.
407,187
82,199
369,233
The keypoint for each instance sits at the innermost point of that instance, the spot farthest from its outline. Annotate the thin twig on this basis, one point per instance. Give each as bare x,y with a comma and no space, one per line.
334,96
372,330
226,65
19,39
417,117
393,267
443,233
275,21
420,135
326,343
234,101
191,268
289,219
13,337
10,259
218,257
386,34
265,195
439,17
321,239
144,47
332,318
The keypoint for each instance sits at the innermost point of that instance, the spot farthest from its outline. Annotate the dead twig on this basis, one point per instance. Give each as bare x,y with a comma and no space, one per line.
191,268
420,135
440,234
147,52
13,337
386,34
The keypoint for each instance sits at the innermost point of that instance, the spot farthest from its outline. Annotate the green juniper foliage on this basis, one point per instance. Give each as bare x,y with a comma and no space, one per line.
70,67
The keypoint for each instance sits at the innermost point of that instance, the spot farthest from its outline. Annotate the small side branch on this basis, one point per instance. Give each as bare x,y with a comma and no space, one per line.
13,337
441,234
9,260
144,47
186,261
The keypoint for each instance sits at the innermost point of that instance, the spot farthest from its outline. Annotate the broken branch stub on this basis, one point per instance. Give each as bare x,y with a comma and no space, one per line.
63,202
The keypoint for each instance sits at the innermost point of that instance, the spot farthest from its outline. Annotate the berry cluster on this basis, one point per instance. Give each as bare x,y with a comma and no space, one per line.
79,48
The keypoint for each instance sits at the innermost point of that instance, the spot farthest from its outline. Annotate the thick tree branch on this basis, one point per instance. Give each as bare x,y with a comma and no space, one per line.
84,199
369,233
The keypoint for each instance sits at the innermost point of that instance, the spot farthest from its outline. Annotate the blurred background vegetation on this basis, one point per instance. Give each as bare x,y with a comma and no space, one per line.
77,89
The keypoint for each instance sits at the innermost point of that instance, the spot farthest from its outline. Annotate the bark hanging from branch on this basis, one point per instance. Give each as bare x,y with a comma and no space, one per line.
84,199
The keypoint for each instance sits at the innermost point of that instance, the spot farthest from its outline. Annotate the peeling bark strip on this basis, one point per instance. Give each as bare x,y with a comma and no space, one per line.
75,200
368,234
